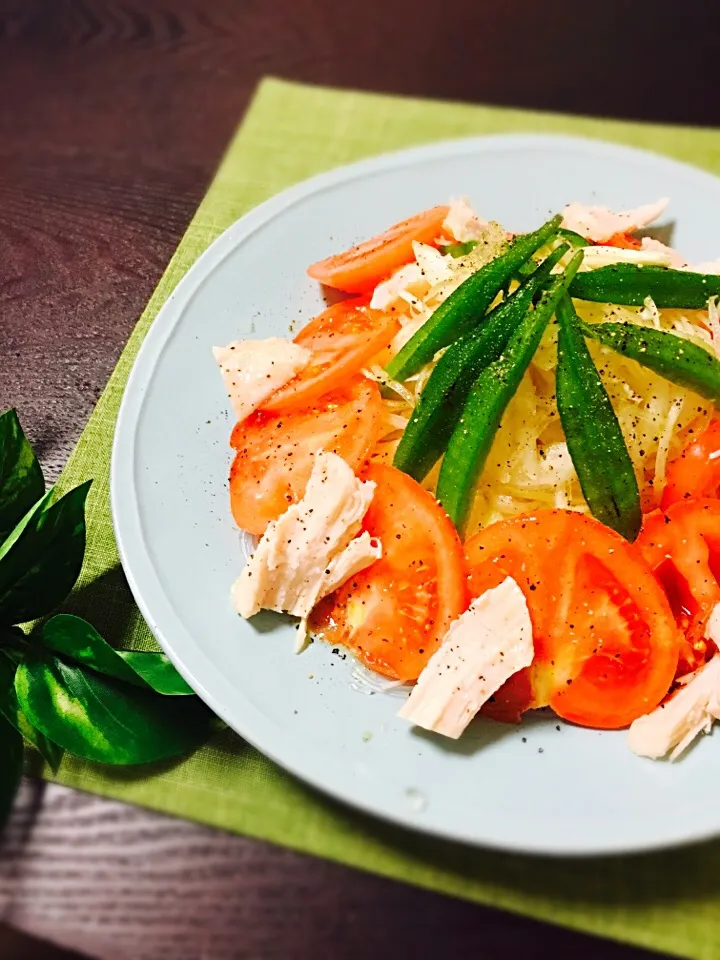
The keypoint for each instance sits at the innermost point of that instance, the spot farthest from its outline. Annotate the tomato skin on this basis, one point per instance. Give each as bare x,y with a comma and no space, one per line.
606,644
696,472
362,267
682,547
274,456
394,614
343,339
623,241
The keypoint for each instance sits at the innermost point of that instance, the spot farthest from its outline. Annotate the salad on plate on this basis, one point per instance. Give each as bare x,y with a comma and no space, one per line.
491,471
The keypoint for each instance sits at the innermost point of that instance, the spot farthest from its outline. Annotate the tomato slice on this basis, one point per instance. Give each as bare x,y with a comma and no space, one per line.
362,267
394,614
606,644
682,546
275,451
343,339
696,472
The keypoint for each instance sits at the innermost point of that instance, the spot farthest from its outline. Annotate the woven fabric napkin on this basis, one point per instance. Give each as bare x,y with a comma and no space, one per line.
669,901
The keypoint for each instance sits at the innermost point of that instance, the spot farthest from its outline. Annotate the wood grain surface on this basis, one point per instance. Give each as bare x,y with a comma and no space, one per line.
113,116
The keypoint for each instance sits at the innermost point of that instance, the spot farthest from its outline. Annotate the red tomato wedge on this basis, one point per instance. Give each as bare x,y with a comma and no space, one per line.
361,268
624,241
682,546
394,614
696,472
274,456
606,644
343,339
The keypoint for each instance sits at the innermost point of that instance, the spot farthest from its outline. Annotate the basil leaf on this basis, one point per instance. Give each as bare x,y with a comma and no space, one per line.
21,478
41,559
158,672
10,710
77,640
52,753
104,720
11,765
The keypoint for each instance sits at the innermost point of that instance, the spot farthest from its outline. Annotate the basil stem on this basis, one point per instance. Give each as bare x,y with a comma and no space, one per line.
472,438
441,402
466,306
630,284
679,360
592,432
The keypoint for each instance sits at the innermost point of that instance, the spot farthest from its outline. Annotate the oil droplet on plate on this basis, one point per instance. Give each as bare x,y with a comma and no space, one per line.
416,800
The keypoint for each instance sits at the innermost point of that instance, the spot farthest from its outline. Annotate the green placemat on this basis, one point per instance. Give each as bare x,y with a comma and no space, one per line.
667,901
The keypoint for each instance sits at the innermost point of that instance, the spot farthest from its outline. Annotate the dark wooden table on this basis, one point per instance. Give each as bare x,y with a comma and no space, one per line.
113,116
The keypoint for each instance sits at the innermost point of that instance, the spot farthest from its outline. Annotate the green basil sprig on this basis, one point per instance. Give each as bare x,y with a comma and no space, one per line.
10,709
594,438
103,719
41,559
76,640
21,478
62,686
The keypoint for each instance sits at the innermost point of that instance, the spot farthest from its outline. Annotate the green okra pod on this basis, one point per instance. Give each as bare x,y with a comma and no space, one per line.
467,305
592,432
475,431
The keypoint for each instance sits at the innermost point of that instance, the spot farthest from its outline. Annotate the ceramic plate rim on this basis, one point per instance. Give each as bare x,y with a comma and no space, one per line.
199,671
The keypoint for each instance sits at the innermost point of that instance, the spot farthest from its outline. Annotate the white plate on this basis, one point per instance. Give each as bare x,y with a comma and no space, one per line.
533,788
